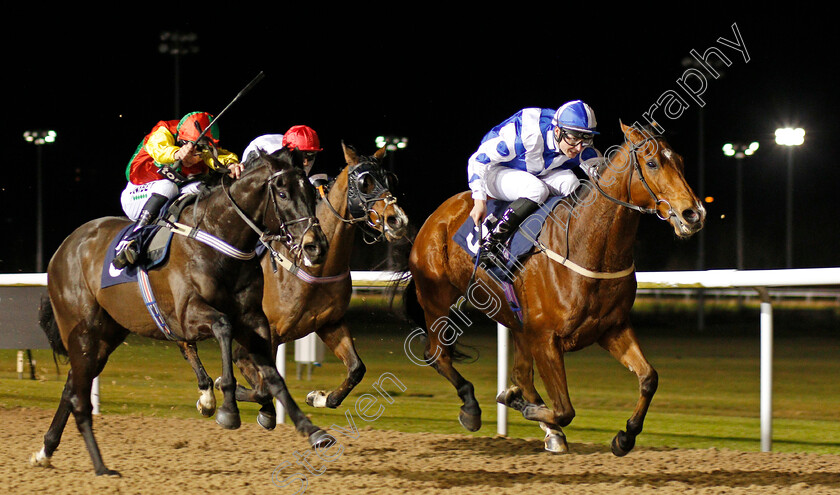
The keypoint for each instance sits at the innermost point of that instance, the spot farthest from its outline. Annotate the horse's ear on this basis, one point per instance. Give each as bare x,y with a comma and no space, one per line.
380,154
350,155
631,133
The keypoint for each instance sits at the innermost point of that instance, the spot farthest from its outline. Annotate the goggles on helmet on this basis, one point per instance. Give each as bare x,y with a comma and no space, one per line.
574,138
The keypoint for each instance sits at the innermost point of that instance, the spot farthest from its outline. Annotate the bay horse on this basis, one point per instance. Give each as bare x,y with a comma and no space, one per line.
360,196
201,291
568,301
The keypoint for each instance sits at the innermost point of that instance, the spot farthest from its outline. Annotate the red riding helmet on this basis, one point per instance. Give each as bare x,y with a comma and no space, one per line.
188,131
303,138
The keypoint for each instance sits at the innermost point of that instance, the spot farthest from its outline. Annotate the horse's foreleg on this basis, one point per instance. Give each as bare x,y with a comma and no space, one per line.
260,356
267,416
551,365
206,403
624,346
228,414
523,396
337,338
522,374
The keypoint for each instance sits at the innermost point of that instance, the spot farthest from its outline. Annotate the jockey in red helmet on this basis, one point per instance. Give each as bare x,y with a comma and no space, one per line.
299,137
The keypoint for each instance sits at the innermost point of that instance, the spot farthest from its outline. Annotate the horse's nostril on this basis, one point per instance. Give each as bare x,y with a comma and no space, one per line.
393,222
691,216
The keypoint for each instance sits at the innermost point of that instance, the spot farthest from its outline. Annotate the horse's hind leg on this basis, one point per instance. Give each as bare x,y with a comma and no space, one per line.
53,436
624,346
88,355
206,403
337,338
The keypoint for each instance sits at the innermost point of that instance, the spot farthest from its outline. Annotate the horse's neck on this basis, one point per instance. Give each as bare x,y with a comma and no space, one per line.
602,233
218,217
340,234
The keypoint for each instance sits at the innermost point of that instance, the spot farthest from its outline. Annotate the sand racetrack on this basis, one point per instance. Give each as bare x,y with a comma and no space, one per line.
160,455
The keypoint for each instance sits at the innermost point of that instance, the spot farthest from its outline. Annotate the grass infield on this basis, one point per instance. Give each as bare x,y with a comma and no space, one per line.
708,393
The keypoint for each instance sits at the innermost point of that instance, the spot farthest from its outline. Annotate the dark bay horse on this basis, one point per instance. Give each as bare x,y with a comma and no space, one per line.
201,292
575,290
360,196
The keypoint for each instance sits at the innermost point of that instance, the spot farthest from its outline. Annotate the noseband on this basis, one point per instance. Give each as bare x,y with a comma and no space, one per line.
637,168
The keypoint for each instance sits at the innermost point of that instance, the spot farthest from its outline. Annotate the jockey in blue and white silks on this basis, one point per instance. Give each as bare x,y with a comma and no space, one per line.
526,142
529,157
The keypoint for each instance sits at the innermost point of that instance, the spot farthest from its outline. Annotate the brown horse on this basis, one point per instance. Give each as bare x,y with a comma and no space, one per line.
201,291
566,304
361,195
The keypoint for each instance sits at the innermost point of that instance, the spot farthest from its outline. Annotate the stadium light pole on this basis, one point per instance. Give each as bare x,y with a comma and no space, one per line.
177,44
740,151
391,144
39,138
791,138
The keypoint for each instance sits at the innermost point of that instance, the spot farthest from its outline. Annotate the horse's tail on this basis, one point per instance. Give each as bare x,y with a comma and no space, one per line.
46,318
415,315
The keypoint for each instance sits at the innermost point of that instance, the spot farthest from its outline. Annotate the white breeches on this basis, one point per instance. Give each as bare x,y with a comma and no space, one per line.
135,196
510,184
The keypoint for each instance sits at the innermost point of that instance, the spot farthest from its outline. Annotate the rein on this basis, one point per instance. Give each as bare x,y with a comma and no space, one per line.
286,237
565,261
637,168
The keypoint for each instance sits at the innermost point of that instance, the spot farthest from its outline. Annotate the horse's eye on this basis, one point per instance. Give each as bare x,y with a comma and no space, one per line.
282,194
652,164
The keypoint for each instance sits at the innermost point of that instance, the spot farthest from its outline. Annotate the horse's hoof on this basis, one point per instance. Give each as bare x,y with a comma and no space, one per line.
205,411
320,439
622,444
555,439
472,422
38,459
266,420
217,383
227,420
556,444
109,472
317,398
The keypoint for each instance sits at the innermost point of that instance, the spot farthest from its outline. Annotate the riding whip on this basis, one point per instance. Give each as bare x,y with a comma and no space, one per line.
169,172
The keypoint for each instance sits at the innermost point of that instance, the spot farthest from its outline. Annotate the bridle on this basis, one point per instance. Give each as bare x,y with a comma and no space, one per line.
284,234
638,169
593,174
363,195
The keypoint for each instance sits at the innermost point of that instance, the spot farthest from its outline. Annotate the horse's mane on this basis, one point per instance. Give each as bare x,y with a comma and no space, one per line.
582,193
252,162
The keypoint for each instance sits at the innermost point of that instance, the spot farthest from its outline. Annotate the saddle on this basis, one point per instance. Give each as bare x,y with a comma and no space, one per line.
153,240
519,246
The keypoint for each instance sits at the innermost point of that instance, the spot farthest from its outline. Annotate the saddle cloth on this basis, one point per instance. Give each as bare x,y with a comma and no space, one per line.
154,240
518,247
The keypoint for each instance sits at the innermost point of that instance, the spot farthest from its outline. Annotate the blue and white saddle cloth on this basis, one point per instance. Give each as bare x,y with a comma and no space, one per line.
519,246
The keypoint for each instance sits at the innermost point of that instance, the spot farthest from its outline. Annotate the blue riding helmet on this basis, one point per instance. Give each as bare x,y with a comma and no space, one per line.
576,116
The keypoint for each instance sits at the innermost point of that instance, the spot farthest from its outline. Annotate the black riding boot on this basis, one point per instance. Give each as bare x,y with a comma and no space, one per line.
493,245
130,251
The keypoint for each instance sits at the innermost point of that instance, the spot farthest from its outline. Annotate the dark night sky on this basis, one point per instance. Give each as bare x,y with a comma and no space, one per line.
443,82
